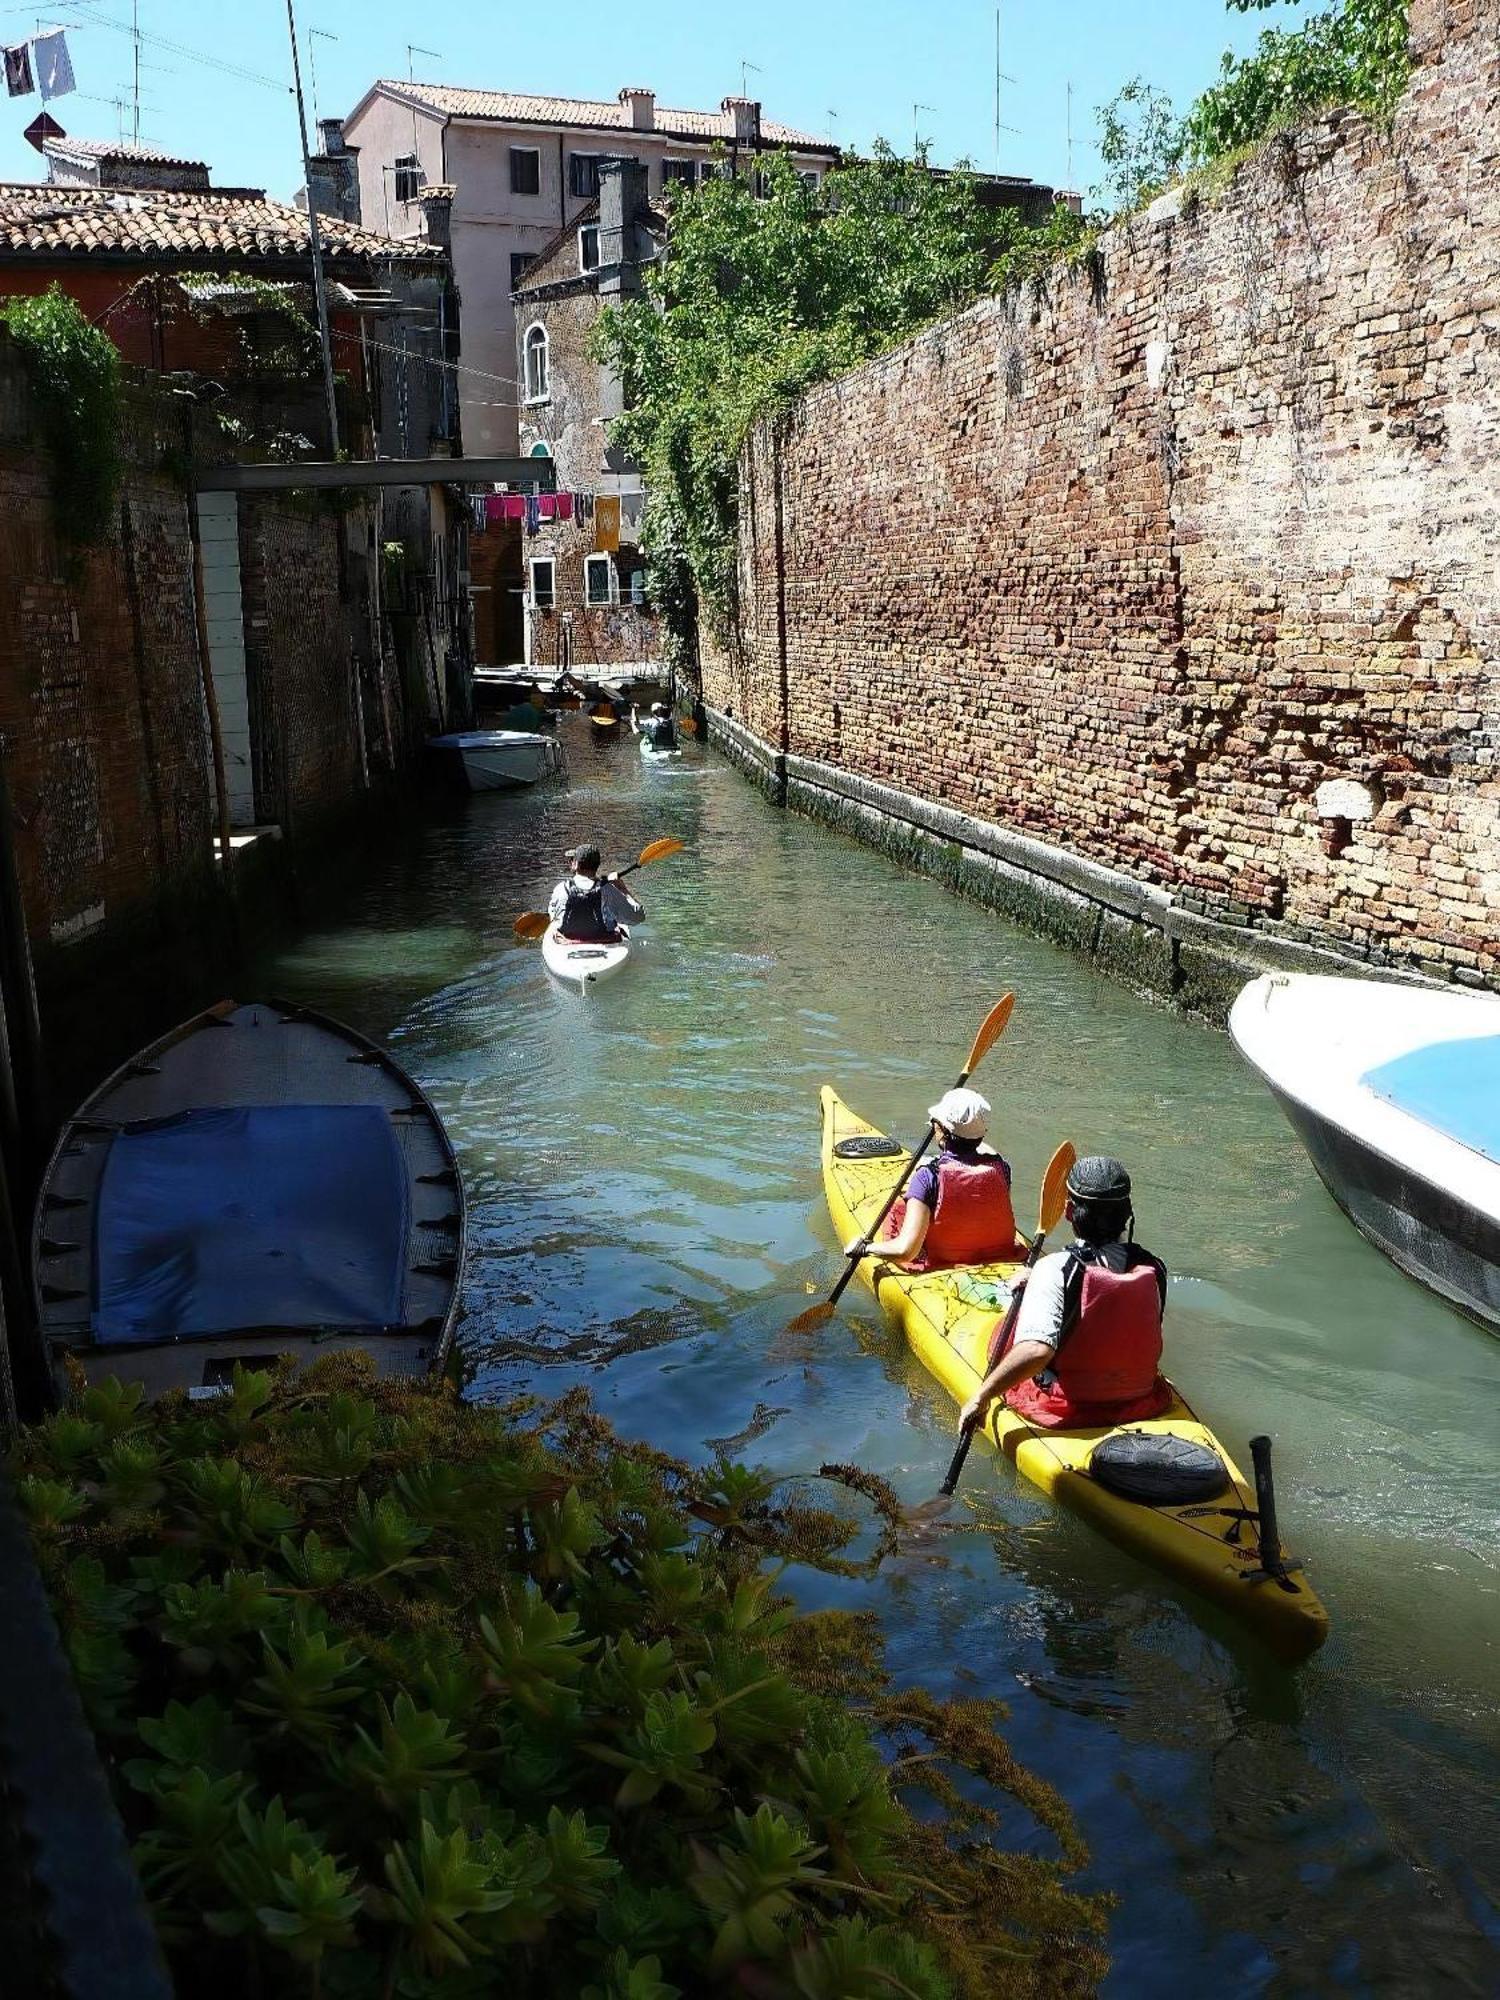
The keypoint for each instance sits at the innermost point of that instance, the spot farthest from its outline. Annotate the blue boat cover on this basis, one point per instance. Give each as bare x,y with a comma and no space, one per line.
1452,1086
268,1215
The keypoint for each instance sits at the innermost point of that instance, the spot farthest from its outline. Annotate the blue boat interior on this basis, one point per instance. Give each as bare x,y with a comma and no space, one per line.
217,1221
1452,1086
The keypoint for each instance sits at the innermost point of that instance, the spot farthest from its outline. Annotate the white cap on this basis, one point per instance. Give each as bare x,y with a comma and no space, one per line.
964,1112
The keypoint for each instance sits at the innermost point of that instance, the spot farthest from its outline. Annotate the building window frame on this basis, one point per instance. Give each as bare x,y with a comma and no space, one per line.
591,594
538,364
590,230
533,154
583,175
685,172
525,259
543,596
406,169
541,449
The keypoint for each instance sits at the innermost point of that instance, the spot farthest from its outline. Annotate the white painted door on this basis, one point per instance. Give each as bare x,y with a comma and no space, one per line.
219,526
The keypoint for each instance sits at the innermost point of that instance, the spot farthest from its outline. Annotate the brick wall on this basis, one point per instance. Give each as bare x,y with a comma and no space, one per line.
1187,562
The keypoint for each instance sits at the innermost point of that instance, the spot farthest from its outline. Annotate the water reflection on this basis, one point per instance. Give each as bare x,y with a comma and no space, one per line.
641,1166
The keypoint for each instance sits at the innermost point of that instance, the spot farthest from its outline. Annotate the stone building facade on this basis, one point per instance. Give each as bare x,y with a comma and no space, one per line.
1161,602
584,577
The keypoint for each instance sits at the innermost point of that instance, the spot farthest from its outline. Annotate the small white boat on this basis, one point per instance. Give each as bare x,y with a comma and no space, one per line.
500,760
1395,1092
652,755
583,965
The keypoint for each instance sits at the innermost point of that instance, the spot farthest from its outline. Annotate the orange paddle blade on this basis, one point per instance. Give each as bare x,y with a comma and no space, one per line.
687,725
658,850
531,926
812,1319
991,1029
1054,1195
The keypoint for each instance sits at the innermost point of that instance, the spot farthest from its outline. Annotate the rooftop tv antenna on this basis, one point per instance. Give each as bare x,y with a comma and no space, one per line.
315,35
745,68
916,137
1001,76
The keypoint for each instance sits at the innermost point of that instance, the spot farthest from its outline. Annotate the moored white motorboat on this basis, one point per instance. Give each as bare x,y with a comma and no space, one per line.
1395,1092
583,965
500,760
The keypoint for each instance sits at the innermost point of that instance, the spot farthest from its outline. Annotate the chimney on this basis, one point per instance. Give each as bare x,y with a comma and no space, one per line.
331,136
641,105
745,112
437,214
1073,203
622,203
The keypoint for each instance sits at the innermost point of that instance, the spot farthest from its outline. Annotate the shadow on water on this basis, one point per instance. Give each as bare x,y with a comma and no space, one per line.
641,1168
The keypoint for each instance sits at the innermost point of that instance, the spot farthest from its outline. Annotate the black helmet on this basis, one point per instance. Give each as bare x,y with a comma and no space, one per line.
1097,1177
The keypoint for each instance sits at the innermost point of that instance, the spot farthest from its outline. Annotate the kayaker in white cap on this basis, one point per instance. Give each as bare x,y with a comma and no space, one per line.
956,1209
659,729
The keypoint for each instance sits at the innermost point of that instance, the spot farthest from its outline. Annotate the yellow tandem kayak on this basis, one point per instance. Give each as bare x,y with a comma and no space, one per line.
948,1316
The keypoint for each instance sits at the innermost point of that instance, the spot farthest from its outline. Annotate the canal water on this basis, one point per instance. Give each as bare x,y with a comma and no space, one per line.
646,1213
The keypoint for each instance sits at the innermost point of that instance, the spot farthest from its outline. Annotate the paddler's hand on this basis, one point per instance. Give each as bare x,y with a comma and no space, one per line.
973,1412
856,1246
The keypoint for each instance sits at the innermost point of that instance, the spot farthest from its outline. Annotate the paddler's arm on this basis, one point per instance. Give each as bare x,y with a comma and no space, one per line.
634,725
1025,1359
907,1241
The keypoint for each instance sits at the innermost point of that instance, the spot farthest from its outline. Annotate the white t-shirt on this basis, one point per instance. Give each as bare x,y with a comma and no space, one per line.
617,905
1042,1302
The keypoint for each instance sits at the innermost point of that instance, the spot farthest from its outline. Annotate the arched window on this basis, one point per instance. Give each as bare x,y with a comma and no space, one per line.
536,365
541,449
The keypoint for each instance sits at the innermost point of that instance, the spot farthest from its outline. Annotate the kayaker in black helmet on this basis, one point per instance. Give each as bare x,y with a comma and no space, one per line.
659,729
1087,1341
588,908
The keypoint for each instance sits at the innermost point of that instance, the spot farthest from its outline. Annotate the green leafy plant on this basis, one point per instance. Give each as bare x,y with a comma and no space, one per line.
74,371
407,1700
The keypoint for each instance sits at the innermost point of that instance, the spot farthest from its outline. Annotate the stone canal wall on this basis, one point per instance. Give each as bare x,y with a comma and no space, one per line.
1174,584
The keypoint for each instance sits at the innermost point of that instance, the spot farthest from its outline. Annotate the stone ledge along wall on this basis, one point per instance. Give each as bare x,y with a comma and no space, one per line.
1160,604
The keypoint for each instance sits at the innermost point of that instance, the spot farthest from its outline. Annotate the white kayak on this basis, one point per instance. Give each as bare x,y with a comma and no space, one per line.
583,965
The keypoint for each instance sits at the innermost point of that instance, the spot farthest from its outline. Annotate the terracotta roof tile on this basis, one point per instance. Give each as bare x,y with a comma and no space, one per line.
516,107
151,224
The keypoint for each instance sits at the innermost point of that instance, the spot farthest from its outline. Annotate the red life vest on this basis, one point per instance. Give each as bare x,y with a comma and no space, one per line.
972,1219
1105,1371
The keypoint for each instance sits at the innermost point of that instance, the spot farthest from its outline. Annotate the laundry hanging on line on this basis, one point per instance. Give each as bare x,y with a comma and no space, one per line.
19,81
52,64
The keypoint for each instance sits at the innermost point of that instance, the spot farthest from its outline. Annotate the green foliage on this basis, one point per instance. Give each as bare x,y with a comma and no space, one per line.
1353,53
75,379
404,1699
760,297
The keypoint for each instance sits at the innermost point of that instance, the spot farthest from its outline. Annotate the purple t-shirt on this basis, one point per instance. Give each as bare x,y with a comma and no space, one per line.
923,1185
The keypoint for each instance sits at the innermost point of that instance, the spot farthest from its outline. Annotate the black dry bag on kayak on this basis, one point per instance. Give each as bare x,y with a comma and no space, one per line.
1158,1471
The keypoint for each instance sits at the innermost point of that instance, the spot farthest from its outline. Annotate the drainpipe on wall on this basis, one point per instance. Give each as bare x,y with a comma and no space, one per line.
205,667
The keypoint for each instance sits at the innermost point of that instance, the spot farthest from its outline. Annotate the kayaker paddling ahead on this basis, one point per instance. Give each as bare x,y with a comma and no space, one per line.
1086,1346
590,909
957,1207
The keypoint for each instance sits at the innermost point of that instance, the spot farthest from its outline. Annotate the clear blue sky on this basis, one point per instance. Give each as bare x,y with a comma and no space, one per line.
866,60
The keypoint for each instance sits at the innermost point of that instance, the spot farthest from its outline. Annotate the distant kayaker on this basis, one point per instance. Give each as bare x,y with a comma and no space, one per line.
659,728
957,1207
588,908
1087,1342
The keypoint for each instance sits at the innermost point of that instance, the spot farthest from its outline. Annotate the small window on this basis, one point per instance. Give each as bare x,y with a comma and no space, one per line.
583,174
538,388
521,262
525,170
588,247
408,172
541,449
598,580
715,170
809,180
679,173
543,583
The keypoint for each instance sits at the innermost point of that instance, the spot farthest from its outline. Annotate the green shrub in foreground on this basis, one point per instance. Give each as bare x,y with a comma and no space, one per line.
406,1697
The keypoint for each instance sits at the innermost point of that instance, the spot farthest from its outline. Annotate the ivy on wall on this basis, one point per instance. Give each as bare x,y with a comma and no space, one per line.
74,371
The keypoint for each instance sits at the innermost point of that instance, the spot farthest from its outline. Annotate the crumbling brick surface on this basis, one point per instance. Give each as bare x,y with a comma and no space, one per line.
1138,561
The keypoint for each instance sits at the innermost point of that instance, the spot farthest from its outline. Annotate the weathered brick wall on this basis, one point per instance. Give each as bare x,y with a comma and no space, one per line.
1141,562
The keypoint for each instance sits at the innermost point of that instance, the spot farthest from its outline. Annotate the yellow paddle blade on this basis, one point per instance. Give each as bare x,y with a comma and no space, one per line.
991,1029
603,719
1054,1195
658,850
531,925
812,1319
